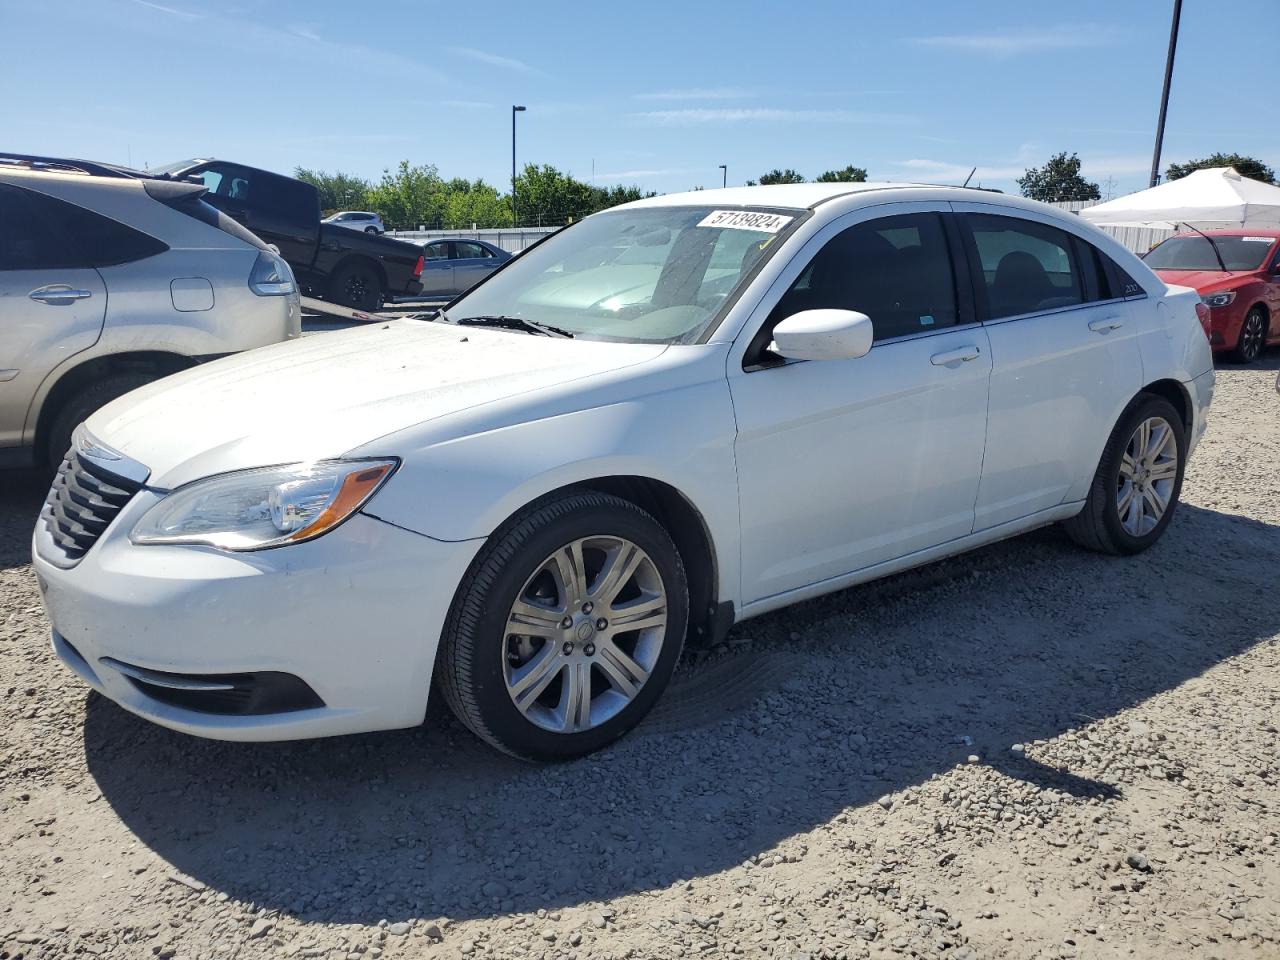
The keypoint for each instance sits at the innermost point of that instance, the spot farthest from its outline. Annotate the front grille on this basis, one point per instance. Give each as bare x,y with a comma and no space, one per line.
82,502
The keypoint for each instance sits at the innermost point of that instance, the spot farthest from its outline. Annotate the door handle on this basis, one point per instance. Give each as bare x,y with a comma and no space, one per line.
59,294
960,354
1105,324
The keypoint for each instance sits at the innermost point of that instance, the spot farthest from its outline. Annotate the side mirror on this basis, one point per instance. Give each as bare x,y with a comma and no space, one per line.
823,335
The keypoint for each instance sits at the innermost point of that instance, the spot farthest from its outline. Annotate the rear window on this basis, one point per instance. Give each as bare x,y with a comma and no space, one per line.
1197,253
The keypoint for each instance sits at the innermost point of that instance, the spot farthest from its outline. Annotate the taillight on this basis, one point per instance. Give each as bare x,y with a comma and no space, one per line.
417,267
1203,314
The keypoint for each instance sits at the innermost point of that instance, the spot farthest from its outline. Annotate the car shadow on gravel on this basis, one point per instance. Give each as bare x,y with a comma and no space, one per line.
21,494
808,712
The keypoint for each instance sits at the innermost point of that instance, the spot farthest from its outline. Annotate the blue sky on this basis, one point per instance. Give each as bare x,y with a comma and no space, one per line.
654,93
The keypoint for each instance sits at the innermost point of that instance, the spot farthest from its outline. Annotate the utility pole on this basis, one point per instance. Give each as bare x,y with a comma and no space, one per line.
724,179
1164,96
515,221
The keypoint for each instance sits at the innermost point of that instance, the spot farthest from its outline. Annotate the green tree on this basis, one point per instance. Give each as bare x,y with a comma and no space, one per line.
409,196
779,176
1058,180
849,174
1245,166
338,191
475,203
546,196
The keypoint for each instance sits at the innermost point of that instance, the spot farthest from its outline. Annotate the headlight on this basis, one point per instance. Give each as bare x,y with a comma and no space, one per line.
1218,299
266,507
271,276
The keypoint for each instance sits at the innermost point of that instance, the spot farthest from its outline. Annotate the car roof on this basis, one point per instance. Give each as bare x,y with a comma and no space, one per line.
797,196
1232,232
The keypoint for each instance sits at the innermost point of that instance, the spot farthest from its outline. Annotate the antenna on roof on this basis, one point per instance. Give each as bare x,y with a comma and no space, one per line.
969,177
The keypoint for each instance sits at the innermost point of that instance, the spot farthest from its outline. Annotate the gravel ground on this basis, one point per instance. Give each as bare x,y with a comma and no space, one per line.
1028,751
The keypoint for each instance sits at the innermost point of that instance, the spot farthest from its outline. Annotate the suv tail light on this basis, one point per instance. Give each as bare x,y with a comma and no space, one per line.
1203,314
417,267
271,276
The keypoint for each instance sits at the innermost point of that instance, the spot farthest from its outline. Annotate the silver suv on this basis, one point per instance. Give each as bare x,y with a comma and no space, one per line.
358,220
110,279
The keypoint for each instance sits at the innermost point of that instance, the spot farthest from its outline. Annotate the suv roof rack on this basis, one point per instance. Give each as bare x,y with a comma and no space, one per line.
65,165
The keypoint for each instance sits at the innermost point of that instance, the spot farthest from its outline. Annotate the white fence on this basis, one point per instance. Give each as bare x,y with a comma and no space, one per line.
511,239
1137,239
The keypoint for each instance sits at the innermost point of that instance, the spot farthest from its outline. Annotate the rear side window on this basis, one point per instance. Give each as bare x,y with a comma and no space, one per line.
1022,266
65,235
896,270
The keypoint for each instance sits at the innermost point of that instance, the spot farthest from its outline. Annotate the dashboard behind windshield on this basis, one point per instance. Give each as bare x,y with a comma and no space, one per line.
651,274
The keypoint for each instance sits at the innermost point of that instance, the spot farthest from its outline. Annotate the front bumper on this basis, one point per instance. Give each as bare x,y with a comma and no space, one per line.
354,615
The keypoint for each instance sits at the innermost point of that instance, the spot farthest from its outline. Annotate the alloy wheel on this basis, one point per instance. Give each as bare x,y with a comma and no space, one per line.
1148,472
584,634
1251,337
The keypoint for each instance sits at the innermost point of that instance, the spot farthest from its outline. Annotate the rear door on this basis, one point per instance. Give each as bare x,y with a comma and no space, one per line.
1065,360
52,303
437,270
472,262
280,210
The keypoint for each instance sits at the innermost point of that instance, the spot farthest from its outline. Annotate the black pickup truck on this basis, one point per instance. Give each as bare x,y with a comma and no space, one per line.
343,266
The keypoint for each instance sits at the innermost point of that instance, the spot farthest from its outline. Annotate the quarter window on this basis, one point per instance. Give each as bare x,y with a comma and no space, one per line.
43,233
1023,266
896,270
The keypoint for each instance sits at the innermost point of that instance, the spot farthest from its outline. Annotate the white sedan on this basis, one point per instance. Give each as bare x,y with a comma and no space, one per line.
667,418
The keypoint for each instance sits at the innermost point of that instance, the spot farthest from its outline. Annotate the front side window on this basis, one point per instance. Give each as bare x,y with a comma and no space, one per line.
469,251
897,270
1197,253
1024,266
647,274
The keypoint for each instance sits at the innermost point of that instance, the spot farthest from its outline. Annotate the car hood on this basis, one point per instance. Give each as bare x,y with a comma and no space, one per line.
324,395
1201,280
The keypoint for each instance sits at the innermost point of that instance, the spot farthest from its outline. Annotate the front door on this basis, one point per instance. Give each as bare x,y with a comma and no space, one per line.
1065,355
437,270
51,305
844,464
471,264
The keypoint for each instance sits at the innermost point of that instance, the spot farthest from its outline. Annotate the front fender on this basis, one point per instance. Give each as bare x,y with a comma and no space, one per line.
465,488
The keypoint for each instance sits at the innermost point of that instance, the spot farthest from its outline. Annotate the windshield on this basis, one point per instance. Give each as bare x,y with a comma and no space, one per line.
171,167
1196,253
651,274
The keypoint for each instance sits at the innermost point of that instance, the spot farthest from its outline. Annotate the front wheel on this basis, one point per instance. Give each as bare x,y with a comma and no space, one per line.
567,628
1253,336
1137,484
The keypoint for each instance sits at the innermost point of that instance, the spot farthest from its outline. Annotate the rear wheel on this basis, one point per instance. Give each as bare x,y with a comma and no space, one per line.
567,628
356,285
84,402
1137,484
370,229
1253,336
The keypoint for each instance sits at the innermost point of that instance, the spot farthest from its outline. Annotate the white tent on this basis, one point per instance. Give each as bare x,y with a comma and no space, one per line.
1209,199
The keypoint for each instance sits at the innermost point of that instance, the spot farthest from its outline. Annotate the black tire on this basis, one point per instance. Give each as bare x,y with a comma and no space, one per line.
1253,336
373,230
1099,526
356,285
76,409
470,663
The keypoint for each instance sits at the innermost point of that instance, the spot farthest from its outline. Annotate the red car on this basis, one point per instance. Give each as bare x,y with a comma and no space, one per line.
1243,298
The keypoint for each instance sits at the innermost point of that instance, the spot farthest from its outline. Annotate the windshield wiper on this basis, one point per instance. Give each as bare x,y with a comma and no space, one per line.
515,323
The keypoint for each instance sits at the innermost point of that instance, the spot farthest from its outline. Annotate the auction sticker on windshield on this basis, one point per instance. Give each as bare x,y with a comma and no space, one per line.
745,220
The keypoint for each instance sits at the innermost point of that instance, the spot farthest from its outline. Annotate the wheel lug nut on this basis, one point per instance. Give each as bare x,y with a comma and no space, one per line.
567,622
589,649
602,623
586,607
567,648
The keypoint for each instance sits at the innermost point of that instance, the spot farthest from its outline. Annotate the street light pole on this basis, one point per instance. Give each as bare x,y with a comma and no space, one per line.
724,179
1164,95
515,221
